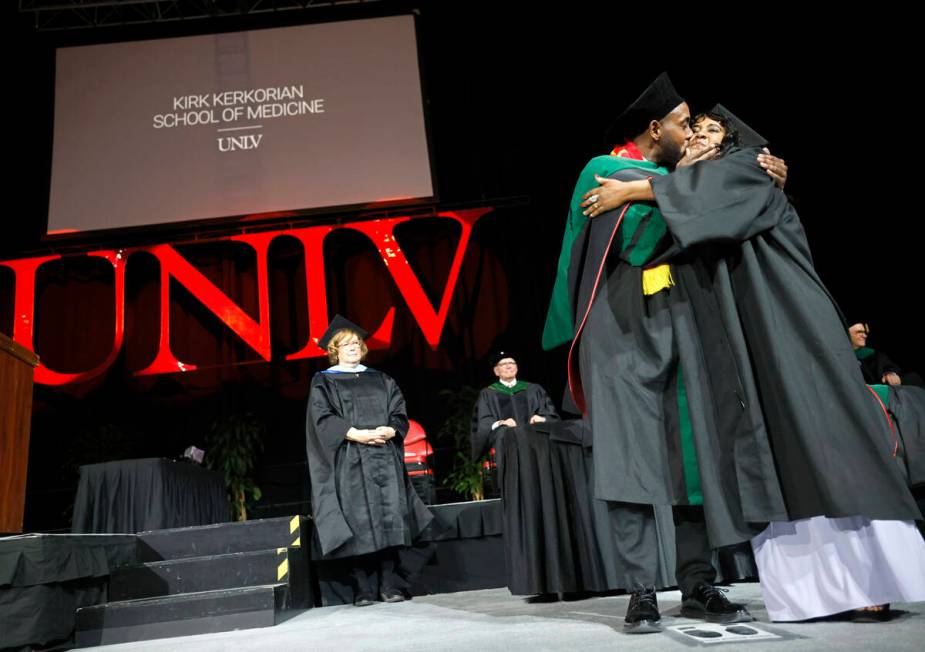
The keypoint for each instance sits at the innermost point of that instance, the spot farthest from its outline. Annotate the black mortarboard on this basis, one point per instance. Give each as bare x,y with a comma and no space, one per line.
657,101
748,137
501,355
339,323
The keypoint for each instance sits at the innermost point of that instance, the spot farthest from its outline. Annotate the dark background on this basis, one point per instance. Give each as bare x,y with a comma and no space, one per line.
518,100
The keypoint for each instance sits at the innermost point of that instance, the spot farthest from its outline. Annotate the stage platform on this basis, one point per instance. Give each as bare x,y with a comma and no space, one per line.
237,577
91,589
492,619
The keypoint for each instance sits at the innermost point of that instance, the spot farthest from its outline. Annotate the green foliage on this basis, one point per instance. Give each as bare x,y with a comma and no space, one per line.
466,477
233,446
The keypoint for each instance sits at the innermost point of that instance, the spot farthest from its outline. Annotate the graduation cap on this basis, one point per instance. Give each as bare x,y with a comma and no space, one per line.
339,323
747,136
657,101
501,355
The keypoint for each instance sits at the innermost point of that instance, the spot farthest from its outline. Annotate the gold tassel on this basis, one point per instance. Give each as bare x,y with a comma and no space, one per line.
656,279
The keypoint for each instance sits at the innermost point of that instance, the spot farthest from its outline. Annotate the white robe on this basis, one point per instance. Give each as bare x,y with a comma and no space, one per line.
821,566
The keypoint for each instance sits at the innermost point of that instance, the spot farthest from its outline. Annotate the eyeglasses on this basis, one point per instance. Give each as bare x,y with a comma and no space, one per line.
507,364
346,344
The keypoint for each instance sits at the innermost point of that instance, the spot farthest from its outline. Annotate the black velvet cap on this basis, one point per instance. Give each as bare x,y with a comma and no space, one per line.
657,101
501,355
748,137
339,323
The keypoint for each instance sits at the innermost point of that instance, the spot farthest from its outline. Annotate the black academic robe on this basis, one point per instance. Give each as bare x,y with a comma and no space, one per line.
362,498
745,322
636,368
876,365
778,362
906,405
495,405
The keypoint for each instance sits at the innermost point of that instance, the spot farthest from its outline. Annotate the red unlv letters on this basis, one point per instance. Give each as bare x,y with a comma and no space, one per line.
254,333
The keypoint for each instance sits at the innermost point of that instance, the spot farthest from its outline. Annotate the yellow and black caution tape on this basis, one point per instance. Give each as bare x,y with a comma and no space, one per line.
294,529
282,570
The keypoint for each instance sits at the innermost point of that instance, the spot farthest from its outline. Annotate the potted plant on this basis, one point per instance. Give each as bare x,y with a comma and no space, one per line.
233,445
466,477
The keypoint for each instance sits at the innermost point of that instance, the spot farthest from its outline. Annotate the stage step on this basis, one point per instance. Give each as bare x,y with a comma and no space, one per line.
211,572
182,615
198,580
221,538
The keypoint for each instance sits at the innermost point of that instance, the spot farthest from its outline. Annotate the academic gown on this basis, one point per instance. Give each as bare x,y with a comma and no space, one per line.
684,391
906,405
875,364
362,498
778,361
636,370
498,402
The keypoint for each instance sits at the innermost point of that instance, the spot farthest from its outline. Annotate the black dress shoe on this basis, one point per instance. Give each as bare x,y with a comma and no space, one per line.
708,603
392,595
543,598
642,616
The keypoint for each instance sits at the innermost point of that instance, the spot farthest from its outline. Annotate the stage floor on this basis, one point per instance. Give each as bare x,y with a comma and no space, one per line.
495,620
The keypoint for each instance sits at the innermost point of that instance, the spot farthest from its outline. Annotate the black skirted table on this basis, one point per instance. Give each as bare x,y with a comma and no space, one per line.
44,578
147,494
557,537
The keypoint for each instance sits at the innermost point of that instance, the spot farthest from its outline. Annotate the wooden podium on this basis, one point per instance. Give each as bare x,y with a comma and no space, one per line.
16,370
